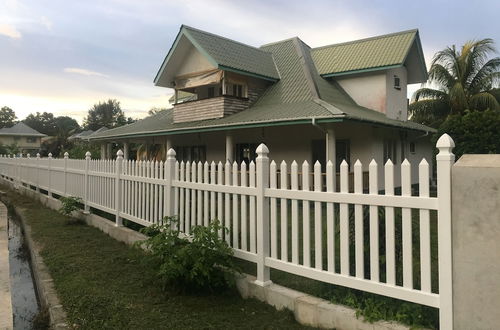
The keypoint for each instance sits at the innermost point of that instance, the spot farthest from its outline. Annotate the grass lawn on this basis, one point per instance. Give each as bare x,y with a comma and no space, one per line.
105,284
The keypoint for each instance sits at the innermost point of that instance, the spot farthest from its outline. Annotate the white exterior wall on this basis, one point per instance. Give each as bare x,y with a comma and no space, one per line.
376,91
194,61
396,100
368,90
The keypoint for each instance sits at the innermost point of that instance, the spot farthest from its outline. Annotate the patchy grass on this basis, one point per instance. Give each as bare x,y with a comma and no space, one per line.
104,284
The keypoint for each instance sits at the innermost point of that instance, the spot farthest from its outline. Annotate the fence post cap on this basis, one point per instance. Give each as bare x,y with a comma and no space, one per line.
262,150
28,156
38,155
119,153
87,154
445,142
171,153
66,155
50,155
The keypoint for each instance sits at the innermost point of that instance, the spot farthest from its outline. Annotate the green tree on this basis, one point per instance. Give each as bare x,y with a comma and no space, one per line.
155,110
42,122
463,79
7,117
474,132
106,114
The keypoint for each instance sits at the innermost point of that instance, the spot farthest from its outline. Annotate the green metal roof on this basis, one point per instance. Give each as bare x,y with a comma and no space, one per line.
299,96
369,54
227,54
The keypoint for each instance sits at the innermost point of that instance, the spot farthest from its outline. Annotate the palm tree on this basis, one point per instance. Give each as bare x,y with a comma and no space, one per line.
463,80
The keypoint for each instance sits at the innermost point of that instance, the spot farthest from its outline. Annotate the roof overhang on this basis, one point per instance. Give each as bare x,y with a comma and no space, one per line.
166,74
414,61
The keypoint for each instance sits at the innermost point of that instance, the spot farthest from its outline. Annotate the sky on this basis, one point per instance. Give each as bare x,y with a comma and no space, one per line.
64,56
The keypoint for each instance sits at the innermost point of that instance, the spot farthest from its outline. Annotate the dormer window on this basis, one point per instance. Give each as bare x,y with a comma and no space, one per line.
211,92
397,83
236,89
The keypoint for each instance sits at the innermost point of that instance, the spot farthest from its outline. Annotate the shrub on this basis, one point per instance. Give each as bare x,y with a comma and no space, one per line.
69,204
197,263
475,132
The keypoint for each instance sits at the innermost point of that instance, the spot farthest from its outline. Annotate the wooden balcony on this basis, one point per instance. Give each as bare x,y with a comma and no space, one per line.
211,108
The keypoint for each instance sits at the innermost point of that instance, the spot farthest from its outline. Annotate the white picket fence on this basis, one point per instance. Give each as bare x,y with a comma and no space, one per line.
280,217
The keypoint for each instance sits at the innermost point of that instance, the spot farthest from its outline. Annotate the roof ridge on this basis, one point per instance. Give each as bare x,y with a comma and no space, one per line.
366,39
282,41
225,38
308,74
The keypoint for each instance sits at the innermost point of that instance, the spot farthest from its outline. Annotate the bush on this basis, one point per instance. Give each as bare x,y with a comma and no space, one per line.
69,204
475,132
197,263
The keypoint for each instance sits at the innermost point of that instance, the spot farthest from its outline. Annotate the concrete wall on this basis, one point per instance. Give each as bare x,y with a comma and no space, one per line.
375,90
476,242
396,100
368,90
21,141
294,142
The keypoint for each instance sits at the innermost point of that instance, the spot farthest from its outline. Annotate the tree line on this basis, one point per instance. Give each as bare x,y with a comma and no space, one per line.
59,128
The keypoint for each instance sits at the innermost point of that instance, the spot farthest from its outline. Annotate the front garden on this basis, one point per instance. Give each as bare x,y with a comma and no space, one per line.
105,284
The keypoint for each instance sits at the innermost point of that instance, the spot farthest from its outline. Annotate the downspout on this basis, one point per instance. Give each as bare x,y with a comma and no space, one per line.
313,122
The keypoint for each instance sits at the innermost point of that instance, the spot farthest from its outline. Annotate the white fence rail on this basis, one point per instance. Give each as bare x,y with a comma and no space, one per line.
286,217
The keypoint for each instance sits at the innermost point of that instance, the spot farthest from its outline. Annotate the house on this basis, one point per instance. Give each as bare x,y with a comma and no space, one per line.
24,137
84,135
342,101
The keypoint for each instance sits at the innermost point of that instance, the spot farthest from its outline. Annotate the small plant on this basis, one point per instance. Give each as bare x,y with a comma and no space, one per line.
199,262
69,204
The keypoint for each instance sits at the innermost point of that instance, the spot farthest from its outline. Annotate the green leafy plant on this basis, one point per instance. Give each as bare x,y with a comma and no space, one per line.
69,205
199,262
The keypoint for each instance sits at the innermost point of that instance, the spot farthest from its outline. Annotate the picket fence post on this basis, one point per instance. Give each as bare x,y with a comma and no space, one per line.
444,161
118,193
37,172
262,169
86,208
66,156
169,193
49,191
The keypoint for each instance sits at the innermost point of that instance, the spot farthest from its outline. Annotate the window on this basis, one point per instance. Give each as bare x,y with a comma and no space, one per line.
211,92
342,151
238,90
389,151
245,152
191,153
397,83
412,147
31,139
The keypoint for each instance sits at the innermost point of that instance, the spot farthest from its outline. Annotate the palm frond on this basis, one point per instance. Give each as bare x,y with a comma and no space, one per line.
483,101
458,98
475,56
429,93
485,76
429,112
441,76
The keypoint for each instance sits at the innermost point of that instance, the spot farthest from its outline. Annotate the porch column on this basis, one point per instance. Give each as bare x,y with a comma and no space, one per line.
229,147
103,150
331,154
108,151
168,144
126,147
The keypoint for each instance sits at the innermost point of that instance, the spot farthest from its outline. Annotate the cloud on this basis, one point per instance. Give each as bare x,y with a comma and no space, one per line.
85,72
10,31
46,22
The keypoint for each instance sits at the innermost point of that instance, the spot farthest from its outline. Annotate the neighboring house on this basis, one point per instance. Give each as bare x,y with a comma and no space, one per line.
84,135
24,137
343,101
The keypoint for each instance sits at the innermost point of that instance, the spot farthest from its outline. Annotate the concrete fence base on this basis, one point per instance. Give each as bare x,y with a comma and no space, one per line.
307,309
476,242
